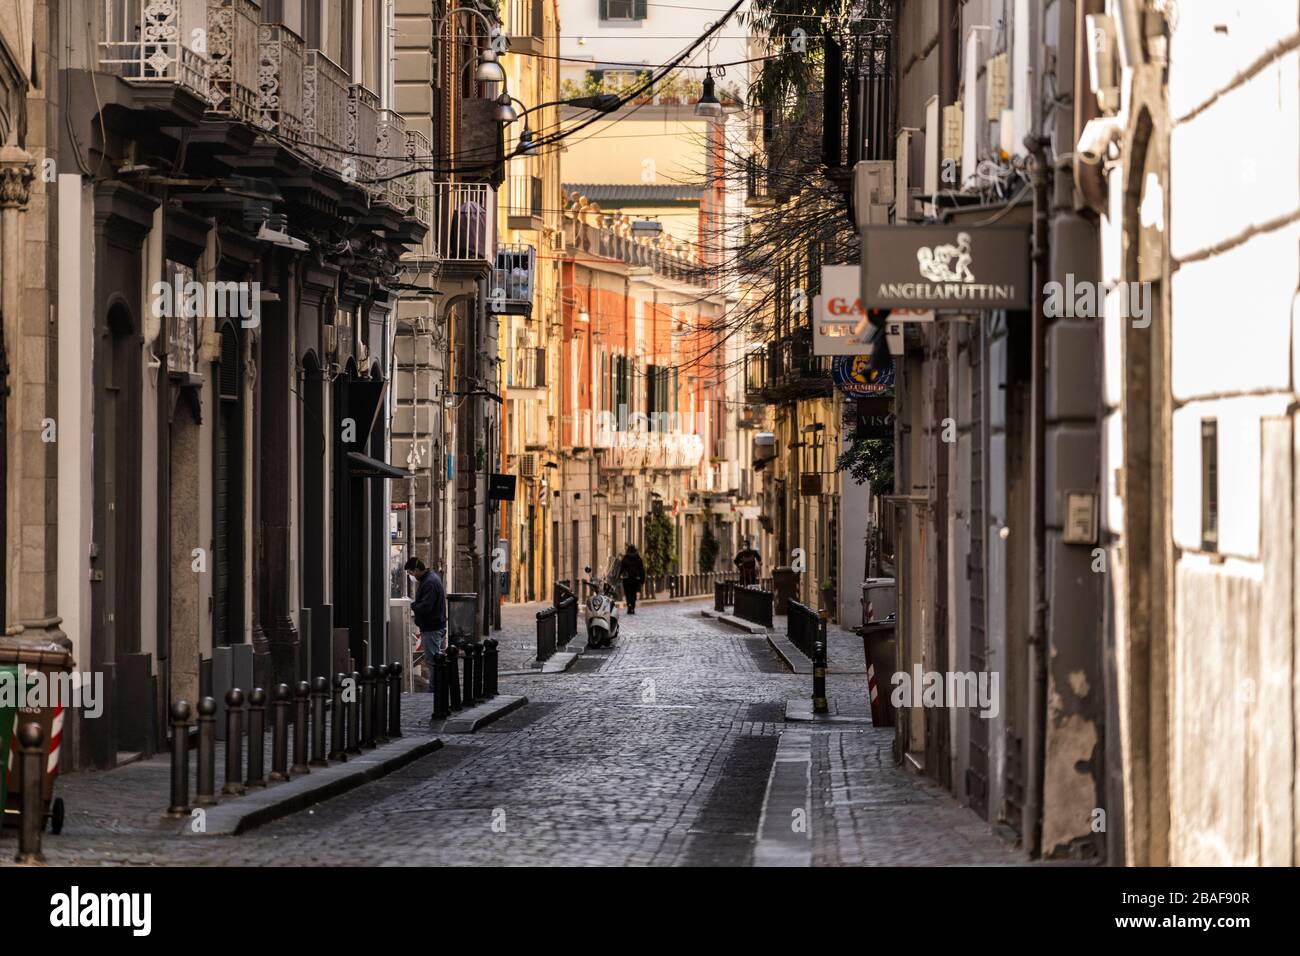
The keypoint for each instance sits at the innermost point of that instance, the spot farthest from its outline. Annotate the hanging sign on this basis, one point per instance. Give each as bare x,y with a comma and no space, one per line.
853,375
945,267
839,320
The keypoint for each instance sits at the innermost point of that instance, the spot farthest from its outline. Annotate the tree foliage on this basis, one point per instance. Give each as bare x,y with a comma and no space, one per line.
660,544
708,549
870,459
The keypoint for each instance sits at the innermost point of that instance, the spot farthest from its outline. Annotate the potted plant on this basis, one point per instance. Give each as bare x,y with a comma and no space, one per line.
828,593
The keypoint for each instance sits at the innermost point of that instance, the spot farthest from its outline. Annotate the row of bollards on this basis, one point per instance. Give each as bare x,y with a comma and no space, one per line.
31,769
366,712
451,692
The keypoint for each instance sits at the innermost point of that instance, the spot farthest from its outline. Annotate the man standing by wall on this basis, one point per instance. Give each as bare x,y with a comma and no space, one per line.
429,609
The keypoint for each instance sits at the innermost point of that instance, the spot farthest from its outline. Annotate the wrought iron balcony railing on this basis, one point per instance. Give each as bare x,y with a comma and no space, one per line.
325,104
391,146
511,289
463,222
361,135
233,50
279,81
145,43
417,188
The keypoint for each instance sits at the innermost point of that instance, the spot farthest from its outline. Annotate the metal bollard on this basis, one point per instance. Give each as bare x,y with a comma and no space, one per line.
368,707
320,688
180,759
394,700
381,704
234,786
819,677
256,738
301,701
338,721
280,733
467,692
354,715
490,667
478,673
206,794
31,767
453,678
441,696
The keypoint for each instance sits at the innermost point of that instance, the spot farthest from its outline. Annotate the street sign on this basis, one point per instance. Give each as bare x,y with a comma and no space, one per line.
945,267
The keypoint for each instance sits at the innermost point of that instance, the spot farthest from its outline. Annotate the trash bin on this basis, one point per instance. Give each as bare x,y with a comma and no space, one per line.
462,618
785,586
48,658
879,599
879,644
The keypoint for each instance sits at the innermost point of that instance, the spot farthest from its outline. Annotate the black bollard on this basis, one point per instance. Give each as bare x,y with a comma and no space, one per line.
819,677
256,738
354,715
31,766
467,693
394,700
180,759
206,794
381,704
478,673
280,733
320,688
234,742
490,667
301,701
453,678
441,697
368,707
338,721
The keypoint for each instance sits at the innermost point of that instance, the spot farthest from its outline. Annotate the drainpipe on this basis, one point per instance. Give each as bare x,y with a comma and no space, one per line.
1031,826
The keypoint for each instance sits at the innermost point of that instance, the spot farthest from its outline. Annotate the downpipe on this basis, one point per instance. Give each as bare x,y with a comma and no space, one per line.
1032,820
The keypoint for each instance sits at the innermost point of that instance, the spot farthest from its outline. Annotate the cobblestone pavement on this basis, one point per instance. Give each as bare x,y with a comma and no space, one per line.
654,752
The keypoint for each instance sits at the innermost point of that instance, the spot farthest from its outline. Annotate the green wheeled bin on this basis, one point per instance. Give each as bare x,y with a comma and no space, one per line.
22,658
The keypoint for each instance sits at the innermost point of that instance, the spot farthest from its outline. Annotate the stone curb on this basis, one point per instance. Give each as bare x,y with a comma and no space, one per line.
468,721
801,711
261,806
734,621
789,789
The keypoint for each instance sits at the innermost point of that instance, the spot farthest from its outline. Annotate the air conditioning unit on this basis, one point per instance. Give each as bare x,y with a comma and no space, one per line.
557,241
952,126
873,191
528,466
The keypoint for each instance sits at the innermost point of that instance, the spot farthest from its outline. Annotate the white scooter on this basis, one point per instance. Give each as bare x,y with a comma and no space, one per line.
600,608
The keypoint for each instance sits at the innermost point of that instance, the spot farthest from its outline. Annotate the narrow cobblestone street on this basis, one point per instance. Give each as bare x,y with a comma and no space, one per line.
656,752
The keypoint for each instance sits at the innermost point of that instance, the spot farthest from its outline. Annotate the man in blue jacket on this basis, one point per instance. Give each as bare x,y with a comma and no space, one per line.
430,610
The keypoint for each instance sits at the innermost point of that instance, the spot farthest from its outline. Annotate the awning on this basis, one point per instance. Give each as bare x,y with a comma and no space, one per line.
363,466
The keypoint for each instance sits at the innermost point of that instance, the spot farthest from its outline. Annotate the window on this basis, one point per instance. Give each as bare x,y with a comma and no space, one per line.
622,9
1210,484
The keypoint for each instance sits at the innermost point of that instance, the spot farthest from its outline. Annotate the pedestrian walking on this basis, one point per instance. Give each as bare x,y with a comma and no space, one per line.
429,609
633,571
747,560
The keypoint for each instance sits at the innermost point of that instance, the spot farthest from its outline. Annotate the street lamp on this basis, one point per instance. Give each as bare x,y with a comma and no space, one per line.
709,104
489,70
504,112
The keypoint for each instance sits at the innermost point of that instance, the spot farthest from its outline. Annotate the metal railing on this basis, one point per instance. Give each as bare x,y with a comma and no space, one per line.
700,584
462,225
524,194
511,290
805,628
325,105
146,44
753,604
524,18
526,368
361,137
279,80
566,609
390,145
417,189
233,50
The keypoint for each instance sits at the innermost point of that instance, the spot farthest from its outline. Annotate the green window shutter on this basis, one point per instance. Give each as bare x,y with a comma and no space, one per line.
604,9
638,10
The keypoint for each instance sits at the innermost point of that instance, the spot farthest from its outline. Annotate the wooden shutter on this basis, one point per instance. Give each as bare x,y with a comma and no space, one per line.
638,10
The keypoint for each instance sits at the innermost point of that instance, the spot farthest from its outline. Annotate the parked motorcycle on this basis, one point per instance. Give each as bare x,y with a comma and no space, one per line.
600,608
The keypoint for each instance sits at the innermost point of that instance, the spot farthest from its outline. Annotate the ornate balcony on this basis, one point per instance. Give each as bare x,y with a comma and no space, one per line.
361,135
144,44
417,189
391,145
324,107
279,81
233,49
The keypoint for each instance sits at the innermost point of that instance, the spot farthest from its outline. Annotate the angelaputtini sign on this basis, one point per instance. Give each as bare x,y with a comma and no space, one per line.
945,267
